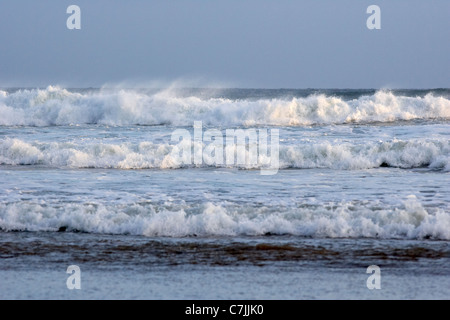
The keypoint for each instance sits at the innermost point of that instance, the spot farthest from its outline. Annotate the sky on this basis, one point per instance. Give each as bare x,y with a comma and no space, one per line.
226,43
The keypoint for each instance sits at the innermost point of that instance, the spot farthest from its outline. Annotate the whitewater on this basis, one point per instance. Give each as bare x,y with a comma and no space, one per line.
90,177
86,131
55,106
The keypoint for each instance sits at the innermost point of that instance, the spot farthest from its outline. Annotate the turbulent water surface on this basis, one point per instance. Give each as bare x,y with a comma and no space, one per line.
88,177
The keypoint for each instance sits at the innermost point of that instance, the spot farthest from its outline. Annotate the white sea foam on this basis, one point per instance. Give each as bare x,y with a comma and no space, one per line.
432,153
348,220
56,106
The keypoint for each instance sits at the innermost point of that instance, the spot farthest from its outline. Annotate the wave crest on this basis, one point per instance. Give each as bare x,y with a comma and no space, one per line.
431,153
55,106
344,220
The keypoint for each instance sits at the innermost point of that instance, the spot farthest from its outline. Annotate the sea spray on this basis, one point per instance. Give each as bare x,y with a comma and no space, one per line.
55,106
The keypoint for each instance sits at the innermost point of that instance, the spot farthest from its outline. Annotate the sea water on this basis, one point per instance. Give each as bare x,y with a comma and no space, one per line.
87,179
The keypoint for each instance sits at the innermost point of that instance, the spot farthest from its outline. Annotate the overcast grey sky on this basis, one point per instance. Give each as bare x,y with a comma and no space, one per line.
234,43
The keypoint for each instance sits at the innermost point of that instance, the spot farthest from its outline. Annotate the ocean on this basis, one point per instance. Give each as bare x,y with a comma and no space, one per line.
107,180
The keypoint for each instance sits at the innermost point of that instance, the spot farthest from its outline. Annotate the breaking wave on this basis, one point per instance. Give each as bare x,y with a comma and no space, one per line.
409,220
431,153
55,106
